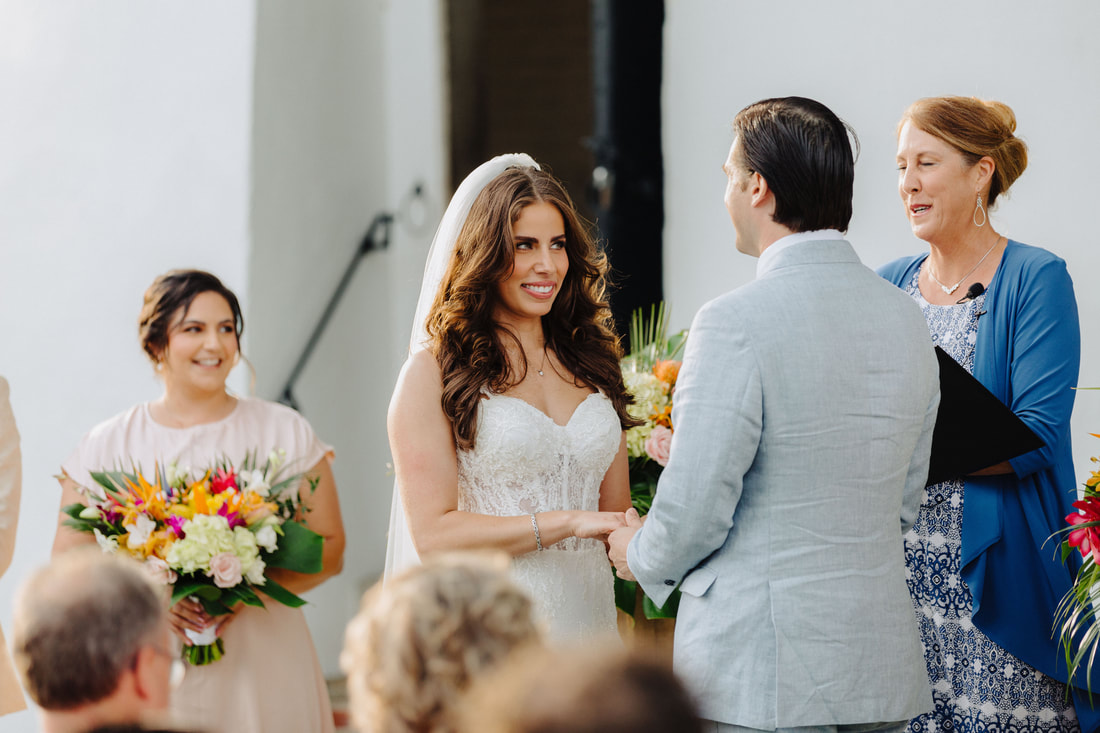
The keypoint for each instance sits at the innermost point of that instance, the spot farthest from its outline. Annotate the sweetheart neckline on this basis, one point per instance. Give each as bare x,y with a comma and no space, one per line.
552,420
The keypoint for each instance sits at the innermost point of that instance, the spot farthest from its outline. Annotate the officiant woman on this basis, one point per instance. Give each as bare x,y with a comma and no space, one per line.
984,587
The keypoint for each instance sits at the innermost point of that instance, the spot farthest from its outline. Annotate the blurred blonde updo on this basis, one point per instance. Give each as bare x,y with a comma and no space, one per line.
976,128
417,642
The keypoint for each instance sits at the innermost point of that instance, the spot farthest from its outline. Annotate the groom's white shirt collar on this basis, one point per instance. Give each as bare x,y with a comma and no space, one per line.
797,238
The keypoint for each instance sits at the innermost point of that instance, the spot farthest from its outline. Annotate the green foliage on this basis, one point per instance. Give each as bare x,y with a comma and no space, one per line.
649,342
644,474
276,592
300,549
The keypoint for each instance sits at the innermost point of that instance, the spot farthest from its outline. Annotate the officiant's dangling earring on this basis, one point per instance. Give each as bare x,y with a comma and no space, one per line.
978,208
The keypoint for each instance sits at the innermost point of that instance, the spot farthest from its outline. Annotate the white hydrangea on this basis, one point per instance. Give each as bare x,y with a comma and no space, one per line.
650,397
245,548
205,536
255,574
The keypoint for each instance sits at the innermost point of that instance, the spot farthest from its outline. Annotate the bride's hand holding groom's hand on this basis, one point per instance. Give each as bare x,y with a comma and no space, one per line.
619,540
597,525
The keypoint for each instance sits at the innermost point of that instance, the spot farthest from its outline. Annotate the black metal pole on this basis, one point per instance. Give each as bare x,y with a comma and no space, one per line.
371,241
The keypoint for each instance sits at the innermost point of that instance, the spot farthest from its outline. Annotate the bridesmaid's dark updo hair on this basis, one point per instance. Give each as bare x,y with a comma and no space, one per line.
167,295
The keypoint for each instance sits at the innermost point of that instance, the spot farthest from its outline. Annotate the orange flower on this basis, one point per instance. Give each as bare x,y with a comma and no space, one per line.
199,497
667,371
664,417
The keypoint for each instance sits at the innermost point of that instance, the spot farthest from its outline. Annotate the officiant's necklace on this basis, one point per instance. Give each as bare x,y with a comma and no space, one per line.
950,290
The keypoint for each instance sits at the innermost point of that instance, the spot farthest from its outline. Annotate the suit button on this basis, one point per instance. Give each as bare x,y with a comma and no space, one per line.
670,582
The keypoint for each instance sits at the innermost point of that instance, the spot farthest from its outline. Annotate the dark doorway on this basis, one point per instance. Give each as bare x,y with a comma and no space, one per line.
575,83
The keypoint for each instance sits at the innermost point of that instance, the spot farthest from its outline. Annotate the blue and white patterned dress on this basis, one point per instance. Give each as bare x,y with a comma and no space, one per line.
977,686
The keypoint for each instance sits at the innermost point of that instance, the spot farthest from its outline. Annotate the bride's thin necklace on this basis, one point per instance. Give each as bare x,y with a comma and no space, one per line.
541,368
951,289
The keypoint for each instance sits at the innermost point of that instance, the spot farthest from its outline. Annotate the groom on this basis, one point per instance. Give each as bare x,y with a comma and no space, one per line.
803,421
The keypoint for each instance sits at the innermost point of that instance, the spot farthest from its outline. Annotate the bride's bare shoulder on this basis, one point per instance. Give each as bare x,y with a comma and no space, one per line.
417,397
419,375
422,363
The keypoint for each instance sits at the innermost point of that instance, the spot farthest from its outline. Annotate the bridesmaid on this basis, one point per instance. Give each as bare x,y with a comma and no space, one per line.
269,678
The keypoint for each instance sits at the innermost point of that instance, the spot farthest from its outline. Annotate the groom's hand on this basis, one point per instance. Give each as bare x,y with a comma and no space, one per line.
619,540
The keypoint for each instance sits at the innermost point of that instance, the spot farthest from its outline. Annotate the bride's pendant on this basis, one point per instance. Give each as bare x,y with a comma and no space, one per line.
944,288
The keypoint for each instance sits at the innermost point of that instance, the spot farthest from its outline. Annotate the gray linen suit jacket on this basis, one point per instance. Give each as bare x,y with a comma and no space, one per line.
803,421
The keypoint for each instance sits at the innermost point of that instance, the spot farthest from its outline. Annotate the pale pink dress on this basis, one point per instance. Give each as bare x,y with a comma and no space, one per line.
269,679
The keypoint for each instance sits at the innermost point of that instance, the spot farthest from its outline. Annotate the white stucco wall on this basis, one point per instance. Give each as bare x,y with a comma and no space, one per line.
868,60
124,147
256,140
338,139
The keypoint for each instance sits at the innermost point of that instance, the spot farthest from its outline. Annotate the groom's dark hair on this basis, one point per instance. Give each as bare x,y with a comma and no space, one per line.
801,148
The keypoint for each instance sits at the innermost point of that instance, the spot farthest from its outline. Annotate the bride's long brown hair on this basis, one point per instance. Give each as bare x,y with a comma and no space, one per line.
466,340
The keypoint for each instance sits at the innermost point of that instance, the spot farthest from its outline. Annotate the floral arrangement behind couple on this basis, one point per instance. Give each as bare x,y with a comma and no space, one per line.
507,422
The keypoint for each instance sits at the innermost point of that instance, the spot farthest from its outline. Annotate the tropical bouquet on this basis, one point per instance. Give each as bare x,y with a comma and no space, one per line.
1076,614
210,534
649,373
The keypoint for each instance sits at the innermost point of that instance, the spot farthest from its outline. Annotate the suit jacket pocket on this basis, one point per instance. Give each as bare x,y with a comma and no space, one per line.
698,581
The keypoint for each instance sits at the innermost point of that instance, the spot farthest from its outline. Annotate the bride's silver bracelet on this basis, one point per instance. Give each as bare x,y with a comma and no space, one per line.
538,537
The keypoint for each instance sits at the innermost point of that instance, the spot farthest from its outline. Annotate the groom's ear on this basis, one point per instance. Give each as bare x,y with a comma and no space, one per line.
761,195
760,192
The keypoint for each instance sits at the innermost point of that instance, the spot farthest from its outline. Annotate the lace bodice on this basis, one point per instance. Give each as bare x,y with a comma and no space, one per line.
523,462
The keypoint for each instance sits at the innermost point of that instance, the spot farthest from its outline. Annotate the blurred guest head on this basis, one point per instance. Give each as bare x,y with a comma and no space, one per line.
601,689
419,640
92,642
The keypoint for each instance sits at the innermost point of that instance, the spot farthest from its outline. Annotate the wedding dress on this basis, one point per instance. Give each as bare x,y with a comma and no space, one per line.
522,463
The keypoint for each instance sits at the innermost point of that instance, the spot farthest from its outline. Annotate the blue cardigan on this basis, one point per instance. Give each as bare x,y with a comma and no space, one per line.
1028,354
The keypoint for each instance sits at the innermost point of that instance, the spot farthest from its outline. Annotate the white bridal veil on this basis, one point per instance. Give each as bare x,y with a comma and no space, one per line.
400,551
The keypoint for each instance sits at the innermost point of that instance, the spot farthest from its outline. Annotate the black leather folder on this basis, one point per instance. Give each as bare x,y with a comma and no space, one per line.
974,429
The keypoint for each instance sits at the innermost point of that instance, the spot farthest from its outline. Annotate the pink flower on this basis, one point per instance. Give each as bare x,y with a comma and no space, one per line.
233,518
176,522
658,443
222,480
226,569
1086,539
159,571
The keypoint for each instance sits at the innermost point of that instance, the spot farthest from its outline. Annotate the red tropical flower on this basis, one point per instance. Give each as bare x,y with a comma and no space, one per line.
222,480
1086,539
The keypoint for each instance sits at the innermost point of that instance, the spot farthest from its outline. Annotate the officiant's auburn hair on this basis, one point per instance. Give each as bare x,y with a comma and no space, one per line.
171,292
802,150
469,344
977,128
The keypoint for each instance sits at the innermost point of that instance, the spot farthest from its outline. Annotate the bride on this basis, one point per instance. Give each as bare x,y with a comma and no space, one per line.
507,422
